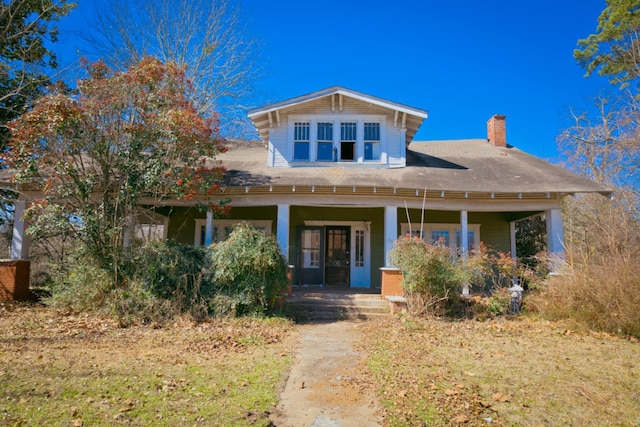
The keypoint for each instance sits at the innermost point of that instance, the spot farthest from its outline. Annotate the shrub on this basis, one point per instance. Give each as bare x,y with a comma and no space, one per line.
249,268
431,279
171,270
82,286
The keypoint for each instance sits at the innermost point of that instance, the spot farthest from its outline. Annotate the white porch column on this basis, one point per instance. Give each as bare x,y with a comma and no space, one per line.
19,240
464,242
555,238
208,228
464,234
390,231
283,229
512,238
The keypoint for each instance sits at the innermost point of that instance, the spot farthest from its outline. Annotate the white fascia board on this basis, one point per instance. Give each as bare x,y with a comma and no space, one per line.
338,90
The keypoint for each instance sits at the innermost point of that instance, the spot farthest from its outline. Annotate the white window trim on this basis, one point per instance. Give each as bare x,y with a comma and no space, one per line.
451,228
222,225
336,119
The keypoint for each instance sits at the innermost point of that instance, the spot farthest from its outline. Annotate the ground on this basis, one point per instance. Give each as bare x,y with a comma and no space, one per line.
66,369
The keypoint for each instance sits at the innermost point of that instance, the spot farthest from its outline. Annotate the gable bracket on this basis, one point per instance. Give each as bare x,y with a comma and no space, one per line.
278,118
270,119
333,103
395,119
340,102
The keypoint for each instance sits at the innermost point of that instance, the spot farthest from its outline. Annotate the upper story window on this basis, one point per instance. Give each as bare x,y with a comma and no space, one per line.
301,141
325,142
372,144
348,140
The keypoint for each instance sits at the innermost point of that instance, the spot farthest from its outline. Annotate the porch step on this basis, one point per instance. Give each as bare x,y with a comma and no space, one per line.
328,306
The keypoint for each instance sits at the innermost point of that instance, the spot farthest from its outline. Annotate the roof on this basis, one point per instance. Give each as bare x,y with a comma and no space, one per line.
263,118
471,165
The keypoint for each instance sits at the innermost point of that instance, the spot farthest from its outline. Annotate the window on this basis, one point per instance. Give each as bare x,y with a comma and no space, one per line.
325,142
470,239
301,141
311,249
222,228
441,234
440,237
348,139
360,243
372,145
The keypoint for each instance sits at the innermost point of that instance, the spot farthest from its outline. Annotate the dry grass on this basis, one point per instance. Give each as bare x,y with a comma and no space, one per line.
82,370
502,372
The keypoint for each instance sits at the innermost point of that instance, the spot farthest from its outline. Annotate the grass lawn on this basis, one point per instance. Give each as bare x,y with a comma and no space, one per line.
502,372
78,370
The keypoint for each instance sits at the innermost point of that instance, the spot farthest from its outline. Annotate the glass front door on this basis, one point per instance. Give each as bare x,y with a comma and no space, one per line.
337,256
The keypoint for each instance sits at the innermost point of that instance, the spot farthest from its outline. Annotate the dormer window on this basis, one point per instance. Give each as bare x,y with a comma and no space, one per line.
348,139
325,142
301,141
372,145
343,138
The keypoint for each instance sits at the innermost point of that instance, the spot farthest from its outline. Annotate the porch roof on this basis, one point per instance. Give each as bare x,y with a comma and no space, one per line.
471,165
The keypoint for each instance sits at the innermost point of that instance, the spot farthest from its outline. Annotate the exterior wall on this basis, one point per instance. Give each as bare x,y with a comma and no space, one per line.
300,214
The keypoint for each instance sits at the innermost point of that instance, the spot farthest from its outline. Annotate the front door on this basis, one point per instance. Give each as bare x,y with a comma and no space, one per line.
337,255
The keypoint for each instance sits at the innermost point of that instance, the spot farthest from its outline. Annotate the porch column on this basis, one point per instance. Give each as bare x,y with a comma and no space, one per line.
555,238
283,230
512,238
464,234
464,242
19,240
390,231
208,228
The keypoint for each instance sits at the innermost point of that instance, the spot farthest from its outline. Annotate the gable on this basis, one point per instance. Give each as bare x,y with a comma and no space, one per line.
338,100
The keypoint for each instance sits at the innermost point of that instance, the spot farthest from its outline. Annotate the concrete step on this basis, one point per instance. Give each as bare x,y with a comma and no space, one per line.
309,307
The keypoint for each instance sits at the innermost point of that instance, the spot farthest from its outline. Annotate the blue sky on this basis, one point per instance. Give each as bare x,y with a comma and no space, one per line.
462,61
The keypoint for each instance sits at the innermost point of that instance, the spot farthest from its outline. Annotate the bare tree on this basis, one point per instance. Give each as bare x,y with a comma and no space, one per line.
604,144
209,37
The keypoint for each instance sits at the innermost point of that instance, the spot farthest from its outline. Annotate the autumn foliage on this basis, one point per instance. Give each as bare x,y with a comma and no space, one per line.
119,140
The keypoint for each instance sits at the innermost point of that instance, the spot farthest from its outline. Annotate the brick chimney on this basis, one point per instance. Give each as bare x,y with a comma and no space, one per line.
497,130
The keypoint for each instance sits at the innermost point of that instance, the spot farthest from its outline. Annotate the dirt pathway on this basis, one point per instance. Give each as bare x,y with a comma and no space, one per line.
325,387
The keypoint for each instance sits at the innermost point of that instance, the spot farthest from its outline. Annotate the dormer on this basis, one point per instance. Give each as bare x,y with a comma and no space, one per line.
338,127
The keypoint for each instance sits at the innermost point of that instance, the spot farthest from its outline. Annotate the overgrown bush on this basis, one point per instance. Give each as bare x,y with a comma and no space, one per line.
249,268
83,286
599,286
173,271
431,279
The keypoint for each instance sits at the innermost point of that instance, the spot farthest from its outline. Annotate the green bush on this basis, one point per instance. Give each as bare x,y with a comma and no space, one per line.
171,270
431,279
81,286
249,268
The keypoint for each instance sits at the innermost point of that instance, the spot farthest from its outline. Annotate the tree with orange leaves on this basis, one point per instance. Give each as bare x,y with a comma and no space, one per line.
116,141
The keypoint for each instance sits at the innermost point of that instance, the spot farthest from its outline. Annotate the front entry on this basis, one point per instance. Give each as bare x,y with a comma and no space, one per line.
337,256
333,254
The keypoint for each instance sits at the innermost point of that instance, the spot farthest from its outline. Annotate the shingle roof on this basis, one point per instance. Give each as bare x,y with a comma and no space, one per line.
471,165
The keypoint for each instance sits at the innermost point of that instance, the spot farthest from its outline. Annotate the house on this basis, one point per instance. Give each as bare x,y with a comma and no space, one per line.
337,177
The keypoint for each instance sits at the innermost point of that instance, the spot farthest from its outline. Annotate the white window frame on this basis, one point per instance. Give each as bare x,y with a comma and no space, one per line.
374,142
302,141
451,228
336,119
223,224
